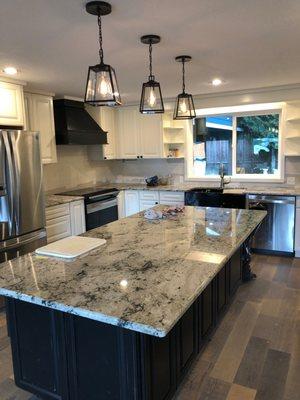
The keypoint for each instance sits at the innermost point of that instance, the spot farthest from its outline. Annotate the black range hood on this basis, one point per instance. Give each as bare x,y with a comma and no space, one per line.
74,125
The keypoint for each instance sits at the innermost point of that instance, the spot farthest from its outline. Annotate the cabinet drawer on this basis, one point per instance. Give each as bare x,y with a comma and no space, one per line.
58,228
57,211
145,204
171,198
149,195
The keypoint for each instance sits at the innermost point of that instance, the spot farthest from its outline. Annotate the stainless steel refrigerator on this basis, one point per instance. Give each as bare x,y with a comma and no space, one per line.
22,215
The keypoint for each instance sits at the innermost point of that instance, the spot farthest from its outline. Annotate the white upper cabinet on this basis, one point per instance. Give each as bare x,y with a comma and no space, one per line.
151,136
140,136
128,132
11,104
40,118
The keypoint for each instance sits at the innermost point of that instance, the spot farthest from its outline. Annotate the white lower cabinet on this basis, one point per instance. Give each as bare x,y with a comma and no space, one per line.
65,220
171,198
140,200
132,202
77,217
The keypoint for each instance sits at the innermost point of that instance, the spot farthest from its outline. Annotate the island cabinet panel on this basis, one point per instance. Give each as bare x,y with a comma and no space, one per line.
101,360
235,272
187,340
38,349
207,311
158,368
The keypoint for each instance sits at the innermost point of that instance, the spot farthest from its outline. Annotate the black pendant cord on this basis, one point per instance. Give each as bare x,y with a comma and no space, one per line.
151,77
100,39
183,76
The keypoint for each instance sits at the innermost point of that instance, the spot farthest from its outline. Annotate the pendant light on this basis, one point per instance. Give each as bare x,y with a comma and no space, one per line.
101,87
151,98
184,106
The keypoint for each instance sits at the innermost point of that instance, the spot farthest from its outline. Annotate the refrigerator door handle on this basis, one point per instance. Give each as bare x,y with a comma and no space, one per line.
11,189
16,161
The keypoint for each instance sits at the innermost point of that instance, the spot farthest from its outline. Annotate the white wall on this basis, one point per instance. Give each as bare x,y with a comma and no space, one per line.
73,168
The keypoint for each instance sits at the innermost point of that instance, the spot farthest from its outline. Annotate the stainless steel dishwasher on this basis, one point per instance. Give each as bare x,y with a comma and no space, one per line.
276,233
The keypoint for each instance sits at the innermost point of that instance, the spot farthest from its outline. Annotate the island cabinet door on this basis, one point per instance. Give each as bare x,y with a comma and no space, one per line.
187,340
101,360
207,308
38,349
158,366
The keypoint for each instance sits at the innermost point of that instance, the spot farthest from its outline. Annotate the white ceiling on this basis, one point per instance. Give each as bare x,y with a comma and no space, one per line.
248,43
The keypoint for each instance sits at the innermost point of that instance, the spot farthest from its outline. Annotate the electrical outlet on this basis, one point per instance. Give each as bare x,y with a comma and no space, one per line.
290,180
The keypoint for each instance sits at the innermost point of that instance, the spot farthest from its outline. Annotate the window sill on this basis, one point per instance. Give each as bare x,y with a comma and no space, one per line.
235,180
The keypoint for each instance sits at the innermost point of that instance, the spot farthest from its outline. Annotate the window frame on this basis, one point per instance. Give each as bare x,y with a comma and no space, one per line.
237,111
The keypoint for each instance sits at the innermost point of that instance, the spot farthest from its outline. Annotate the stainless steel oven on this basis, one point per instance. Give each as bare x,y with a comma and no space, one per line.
276,233
101,209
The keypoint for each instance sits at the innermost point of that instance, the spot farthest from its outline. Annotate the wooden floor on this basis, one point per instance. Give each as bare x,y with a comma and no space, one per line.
254,353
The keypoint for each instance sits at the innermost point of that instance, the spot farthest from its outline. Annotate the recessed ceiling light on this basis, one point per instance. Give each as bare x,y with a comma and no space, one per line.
216,82
10,70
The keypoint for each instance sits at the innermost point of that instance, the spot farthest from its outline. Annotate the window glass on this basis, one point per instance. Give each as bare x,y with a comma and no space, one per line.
212,145
257,144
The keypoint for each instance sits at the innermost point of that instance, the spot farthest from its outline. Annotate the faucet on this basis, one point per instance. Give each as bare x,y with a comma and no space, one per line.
222,177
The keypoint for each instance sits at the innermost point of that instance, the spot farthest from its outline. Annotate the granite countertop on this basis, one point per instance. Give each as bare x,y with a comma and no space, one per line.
181,187
144,278
54,199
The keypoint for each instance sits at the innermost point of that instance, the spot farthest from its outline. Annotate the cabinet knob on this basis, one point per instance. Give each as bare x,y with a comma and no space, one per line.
141,156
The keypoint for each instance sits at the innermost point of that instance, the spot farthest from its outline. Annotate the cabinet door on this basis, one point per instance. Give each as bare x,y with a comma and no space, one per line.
132,205
151,137
108,124
77,215
41,115
11,104
27,107
235,271
128,133
58,228
121,205
145,204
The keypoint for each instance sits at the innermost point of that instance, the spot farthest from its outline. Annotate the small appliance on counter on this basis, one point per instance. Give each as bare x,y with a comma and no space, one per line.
101,205
152,181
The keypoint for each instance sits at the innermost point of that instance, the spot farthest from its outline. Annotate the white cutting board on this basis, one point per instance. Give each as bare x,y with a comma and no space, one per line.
70,247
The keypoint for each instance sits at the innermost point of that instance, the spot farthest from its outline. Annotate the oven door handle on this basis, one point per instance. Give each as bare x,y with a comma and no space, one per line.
101,205
101,196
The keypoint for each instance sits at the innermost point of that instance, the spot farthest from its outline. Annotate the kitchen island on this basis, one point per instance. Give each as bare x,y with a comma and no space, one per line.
126,320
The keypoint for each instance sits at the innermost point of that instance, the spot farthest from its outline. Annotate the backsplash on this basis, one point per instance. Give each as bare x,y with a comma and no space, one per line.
74,168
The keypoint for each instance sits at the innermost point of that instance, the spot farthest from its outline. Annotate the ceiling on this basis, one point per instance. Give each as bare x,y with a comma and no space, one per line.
248,44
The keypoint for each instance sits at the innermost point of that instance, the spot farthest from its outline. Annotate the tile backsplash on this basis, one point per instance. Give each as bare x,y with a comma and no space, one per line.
74,168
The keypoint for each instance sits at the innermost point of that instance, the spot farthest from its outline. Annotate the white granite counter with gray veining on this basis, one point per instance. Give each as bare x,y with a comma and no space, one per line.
54,200
144,278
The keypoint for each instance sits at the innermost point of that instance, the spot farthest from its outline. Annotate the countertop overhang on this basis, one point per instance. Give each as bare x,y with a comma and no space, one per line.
144,278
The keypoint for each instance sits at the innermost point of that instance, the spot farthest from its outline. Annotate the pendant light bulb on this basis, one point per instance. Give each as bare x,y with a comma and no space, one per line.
183,107
152,98
105,88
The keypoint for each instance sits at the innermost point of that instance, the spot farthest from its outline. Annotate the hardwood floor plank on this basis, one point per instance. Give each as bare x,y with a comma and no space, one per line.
252,363
274,375
292,391
214,389
191,386
238,392
229,360
294,276
272,301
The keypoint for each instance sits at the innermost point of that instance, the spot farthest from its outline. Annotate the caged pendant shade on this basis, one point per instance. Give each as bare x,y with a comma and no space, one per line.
184,105
102,86
151,97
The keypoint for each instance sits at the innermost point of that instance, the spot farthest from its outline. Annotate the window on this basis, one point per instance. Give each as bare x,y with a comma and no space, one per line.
245,145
